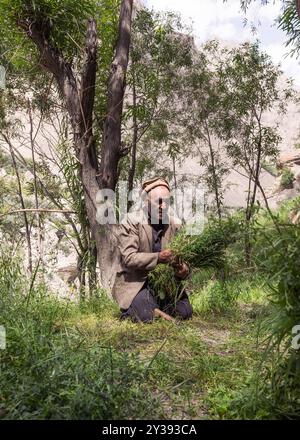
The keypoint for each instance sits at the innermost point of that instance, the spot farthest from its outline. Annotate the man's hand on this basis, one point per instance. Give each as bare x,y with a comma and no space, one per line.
181,271
165,256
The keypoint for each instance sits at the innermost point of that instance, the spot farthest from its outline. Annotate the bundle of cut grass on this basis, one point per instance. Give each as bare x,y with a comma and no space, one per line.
206,250
163,281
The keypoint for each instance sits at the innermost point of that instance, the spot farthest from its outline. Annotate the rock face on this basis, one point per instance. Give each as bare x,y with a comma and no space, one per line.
288,159
295,217
292,161
68,274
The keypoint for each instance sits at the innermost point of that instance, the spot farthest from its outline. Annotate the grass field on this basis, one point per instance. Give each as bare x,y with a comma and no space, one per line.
67,360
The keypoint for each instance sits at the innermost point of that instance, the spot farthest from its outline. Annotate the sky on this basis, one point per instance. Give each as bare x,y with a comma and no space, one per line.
215,19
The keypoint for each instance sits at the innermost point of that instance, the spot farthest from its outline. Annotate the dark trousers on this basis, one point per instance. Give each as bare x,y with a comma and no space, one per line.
143,305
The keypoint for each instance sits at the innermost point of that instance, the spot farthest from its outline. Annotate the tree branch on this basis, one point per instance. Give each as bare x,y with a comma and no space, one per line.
53,61
17,211
88,76
112,127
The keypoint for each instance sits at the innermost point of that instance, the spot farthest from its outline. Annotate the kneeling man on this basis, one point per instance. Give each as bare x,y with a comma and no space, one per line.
142,239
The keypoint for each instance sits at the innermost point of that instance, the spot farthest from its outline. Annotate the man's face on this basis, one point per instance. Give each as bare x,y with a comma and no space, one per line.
158,204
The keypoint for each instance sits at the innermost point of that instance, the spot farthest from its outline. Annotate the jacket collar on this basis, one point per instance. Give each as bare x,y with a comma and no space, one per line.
140,217
166,234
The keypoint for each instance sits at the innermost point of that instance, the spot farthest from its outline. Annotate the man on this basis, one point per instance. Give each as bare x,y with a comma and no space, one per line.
142,238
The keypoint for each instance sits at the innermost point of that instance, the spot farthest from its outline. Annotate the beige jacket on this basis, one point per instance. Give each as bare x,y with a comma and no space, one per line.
136,258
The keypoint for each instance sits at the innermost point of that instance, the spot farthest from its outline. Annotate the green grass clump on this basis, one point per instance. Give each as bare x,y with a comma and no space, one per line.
52,368
163,281
206,250
287,178
69,360
279,260
233,360
216,297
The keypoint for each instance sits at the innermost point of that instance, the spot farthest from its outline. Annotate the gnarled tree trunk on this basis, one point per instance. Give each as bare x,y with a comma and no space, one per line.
79,94
298,7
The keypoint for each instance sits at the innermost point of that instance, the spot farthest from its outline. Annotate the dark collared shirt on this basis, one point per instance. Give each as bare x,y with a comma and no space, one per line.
157,233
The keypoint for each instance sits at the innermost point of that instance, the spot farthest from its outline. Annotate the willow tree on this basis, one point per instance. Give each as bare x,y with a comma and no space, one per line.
61,39
161,51
252,88
288,19
203,93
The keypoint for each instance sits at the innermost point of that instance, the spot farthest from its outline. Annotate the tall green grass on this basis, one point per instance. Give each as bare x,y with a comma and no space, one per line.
276,388
234,359
50,370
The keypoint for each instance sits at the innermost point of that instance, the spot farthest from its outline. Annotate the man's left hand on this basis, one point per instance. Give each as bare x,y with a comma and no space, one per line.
181,270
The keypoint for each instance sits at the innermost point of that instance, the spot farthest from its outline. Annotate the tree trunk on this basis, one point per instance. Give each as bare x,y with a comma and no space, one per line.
111,142
132,168
27,229
298,7
250,206
79,97
215,180
36,199
247,249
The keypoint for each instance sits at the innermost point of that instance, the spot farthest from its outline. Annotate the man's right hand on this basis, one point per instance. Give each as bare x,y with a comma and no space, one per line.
165,256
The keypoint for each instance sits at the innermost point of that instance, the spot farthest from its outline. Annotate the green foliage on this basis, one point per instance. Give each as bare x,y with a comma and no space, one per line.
107,17
5,161
216,297
270,168
163,282
63,22
11,278
159,36
280,257
289,22
68,360
277,258
161,51
70,170
11,227
251,80
64,25
206,250
51,372
201,116
287,178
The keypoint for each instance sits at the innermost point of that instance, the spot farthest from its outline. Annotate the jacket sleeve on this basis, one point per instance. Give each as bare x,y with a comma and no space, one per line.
129,249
